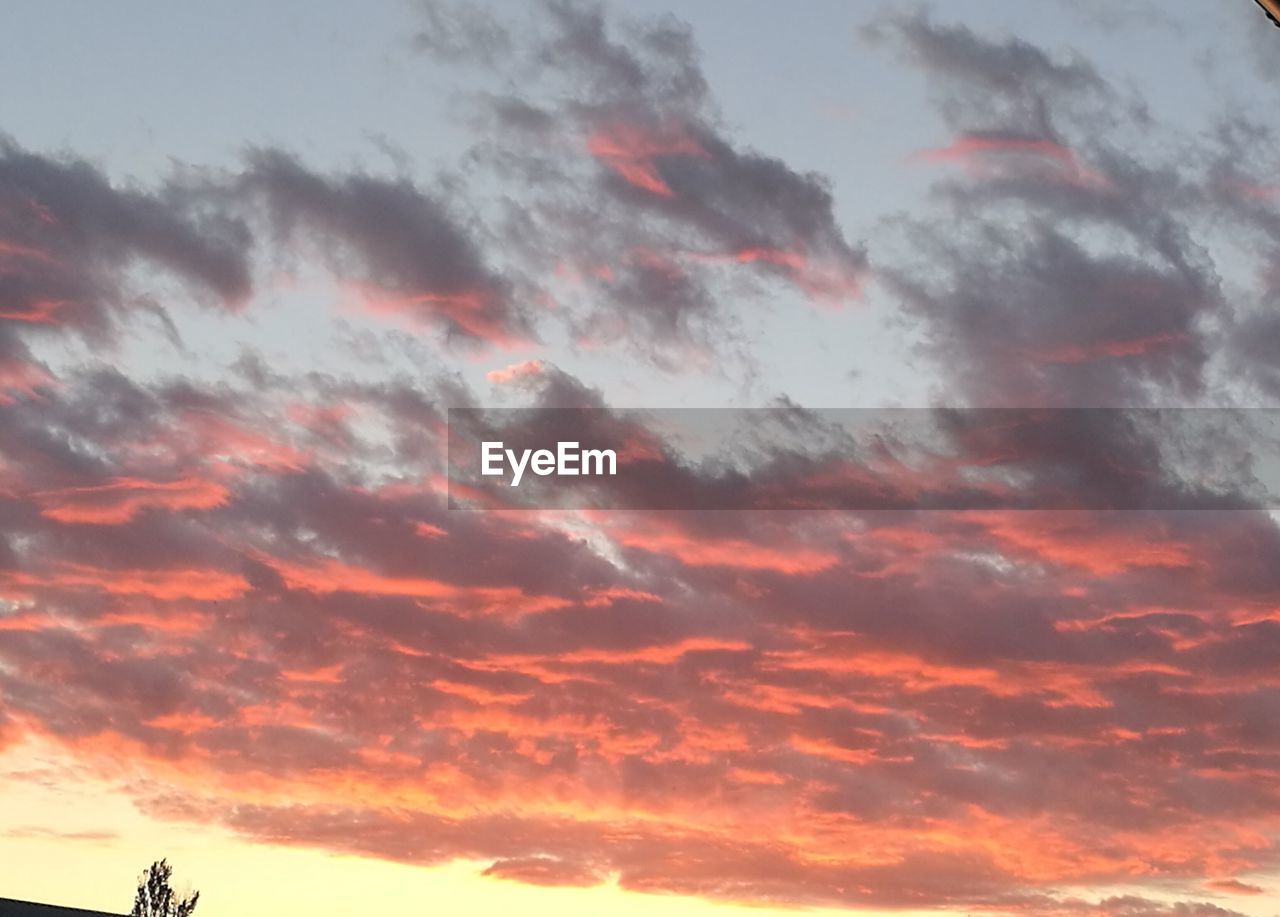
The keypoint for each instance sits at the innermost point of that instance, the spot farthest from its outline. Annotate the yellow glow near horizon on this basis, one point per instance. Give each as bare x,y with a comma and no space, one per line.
102,842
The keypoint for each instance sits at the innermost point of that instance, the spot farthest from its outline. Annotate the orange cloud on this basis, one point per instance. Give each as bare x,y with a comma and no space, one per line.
24,252
1077,540
1111,350
124,498
329,576
36,312
983,154
631,150
516,371
22,380
696,551
203,585
1234,887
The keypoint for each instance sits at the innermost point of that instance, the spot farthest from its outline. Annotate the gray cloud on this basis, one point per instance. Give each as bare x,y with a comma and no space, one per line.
1061,271
625,164
419,260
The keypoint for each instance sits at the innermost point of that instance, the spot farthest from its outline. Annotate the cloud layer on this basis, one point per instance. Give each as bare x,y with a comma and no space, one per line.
252,586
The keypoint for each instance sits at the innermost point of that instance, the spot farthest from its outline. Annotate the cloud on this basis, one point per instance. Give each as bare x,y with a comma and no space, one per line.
68,235
461,32
544,871
624,162
250,586
412,258
633,695
1020,303
516,372
40,833
71,244
1004,83
1135,906
121,500
1234,887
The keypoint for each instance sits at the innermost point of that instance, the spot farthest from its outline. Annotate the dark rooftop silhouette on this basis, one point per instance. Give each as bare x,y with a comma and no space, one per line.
12,908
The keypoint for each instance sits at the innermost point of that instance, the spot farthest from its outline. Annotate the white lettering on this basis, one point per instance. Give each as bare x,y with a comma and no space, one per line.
490,453
567,460
518,465
566,457
599,455
544,462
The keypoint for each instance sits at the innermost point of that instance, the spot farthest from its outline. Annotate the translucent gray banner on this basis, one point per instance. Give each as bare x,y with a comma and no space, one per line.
864,459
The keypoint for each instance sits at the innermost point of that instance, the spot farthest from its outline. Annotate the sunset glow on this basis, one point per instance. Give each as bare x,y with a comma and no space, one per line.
272,276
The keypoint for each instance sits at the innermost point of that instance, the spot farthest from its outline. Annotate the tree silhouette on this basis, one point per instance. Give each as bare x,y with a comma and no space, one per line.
156,898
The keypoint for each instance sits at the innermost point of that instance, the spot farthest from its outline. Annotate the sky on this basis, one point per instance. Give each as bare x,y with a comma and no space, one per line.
251,255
